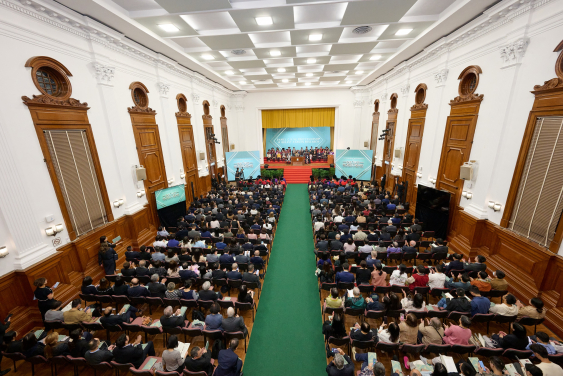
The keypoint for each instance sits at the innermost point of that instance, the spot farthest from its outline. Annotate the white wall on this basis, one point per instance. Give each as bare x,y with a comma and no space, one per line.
26,192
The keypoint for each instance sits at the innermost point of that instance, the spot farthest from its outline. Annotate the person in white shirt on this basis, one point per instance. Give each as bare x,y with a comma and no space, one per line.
437,279
507,308
160,242
389,335
338,218
214,224
548,368
399,276
319,224
267,226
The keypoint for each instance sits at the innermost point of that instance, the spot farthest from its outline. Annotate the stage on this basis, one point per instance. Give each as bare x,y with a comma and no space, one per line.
297,174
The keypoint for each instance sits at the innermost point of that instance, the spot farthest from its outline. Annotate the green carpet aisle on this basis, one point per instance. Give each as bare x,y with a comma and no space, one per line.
286,337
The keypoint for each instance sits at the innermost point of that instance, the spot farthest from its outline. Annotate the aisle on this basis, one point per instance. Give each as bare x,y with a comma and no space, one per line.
286,337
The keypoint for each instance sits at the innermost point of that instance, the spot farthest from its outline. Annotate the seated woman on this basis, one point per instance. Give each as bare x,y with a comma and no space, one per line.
187,292
535,310
363,333
104,288
373,304
333,300
335,327
87,286
327,274
363,274
120,288
198,243
349,246
214,319
245,296
458,335
408,329
432,333
172,357
518,339
264,234
171,256
240,233
31,346
389,335
53,347
171,292
252,235
413,303
507,308
392,302
399,276
173,269
394,248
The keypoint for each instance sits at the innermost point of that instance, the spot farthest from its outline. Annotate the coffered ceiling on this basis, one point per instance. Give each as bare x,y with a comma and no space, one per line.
265,44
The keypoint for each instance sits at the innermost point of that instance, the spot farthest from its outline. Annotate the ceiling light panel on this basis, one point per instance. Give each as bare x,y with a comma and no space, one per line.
275,53
281,70
315,37
264,21
160,24
402,32
301,37
169,28
311,60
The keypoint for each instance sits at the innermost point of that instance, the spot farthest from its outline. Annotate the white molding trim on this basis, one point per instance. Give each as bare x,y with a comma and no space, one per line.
512,53
104,74
441,77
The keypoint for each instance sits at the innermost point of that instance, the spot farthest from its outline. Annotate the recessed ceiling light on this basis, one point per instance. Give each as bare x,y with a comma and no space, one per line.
311,61
348,82
285,80
275,53
315,37
281,70
169,28
375,57
207,57
307,84
309,75
359,71
262,21
242,82
403,32
229,72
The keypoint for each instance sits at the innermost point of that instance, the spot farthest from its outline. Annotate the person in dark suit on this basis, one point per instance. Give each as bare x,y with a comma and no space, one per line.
250,276
78,345
410,248
199,361
120,288
87,287
234,323
125,352
345,275
207,293
158,269
229,362
141,270
390,227
144,254
234,273
336,245
124,316
338,368
455,264
439,247
187,273
413,235
171,319
96,355
477,266
226,258
131,255
416,227
156,288
127,270
106,258
136,290
217,273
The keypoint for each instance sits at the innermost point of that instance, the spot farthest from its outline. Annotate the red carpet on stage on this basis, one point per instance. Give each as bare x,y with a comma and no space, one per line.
297,174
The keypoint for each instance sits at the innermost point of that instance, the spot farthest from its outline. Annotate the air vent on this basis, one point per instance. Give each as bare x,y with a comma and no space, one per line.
362,30
238,52
335,71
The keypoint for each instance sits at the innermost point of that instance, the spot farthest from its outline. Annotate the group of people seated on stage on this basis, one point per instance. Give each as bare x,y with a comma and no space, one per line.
310,154
226,235
358,230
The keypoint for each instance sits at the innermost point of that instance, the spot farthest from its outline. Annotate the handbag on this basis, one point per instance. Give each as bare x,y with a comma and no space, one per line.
437,331
147,321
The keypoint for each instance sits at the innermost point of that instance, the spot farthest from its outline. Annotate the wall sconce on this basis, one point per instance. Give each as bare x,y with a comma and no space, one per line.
494,205
419,174
3,251
141,193
182,176
53,231
118,203
171,180
432,180
468,195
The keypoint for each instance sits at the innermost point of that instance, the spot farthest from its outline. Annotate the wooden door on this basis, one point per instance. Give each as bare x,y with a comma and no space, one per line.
211,152
412,152
149,151
388,154
374,137
189,158
224,140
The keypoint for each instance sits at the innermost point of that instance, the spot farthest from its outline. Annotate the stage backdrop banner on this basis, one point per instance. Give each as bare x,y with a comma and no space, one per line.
353,162
298,137
170,196
249,160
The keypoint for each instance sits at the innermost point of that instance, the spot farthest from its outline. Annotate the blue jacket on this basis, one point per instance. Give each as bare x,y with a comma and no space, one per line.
226,259
480,304
344,277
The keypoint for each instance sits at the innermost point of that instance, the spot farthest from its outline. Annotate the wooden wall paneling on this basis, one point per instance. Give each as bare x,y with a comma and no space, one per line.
374,136
147,140
187,147
413,145
209,143
389,143
224,139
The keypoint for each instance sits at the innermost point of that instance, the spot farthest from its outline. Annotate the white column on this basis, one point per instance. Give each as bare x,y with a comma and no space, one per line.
128,185
30,244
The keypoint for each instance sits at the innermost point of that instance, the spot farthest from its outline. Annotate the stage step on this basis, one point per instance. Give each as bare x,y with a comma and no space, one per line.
297,174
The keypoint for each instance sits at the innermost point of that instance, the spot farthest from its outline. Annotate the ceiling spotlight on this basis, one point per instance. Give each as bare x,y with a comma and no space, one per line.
359,71
307,84
281,70
285,80
375,57
169,28
263,21
311,61
275,53
309,75
242,82
403,32
315,37
207,57
229,72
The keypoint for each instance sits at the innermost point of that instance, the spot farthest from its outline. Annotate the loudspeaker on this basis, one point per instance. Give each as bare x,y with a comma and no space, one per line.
466,171
141,173
201,155
232,146
266,166
331,165
366,144
398,153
